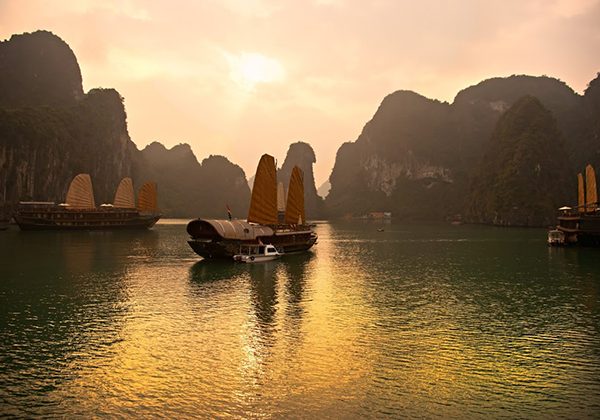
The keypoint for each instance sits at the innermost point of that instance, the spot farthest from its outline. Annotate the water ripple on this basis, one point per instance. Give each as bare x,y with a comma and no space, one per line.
416,321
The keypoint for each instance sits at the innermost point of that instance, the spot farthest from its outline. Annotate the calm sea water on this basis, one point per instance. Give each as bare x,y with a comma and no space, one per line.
427,321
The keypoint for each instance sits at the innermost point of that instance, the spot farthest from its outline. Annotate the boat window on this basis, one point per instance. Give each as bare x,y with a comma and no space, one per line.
271,249
261,249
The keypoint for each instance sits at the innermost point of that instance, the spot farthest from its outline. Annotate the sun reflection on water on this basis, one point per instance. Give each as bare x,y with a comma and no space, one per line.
405,322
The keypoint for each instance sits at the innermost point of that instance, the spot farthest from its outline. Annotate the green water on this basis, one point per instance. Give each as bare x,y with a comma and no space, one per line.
416,321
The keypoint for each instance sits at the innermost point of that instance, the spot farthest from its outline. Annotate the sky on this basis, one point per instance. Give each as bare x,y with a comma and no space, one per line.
241,78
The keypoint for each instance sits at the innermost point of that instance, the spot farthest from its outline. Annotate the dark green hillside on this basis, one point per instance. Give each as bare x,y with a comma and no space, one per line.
477,108
37,69
523,176
224,183
43,148
416,156
187,188
588,147
50,131
400,161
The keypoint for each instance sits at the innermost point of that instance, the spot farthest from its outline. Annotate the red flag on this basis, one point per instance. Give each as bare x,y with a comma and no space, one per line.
228,211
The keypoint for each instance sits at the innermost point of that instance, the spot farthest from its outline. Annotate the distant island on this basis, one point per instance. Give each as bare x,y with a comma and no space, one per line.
502,153
50,130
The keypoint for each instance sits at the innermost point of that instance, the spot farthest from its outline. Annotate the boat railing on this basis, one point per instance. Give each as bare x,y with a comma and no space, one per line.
290,228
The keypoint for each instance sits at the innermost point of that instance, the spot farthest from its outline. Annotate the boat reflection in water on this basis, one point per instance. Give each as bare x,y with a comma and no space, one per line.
424,321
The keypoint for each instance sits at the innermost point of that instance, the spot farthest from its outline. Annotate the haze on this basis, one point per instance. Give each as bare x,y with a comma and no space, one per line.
243,78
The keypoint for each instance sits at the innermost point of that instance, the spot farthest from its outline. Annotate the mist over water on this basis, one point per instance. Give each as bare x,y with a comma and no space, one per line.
418,320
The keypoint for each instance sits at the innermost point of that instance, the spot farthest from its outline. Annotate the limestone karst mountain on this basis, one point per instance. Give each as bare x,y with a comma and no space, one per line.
416,156
523,176
50,131
192,189
301,154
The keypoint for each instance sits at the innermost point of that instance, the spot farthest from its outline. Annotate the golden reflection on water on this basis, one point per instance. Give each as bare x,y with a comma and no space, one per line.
368,324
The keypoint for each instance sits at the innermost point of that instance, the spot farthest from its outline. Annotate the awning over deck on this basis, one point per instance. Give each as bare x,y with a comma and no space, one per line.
227,229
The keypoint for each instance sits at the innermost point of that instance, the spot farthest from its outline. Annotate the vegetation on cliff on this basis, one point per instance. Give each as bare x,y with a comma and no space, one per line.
523,176
416,156
401,162
190,189
38,69
50,131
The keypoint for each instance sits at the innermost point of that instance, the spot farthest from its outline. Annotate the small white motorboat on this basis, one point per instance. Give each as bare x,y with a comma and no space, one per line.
257,253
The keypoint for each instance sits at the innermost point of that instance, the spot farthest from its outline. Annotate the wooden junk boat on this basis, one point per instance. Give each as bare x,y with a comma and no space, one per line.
581,225
271,219
79,211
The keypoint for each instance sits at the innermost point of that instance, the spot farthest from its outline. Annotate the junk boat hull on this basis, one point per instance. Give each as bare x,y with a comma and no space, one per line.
57,218
222,238
79,212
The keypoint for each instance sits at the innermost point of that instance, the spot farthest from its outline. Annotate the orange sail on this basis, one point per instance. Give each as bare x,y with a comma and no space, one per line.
147,201
263,204
81,193
591,203
294,210
580,194
124,197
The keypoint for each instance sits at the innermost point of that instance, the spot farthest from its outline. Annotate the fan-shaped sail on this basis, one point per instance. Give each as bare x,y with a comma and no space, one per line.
147,198
263,204
81,193
294,210
591,195
280,197
580,193
124,197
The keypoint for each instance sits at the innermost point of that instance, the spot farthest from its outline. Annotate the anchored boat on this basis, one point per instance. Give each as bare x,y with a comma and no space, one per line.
279,222
257,253
581,225
79,211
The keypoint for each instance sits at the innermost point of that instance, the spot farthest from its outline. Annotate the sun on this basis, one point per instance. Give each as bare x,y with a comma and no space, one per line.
250,69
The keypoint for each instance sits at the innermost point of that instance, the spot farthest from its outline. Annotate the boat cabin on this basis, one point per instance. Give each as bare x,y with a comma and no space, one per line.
257,253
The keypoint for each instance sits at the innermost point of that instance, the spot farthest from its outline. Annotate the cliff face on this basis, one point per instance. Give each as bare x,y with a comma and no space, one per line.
224,184
401,162
302,155
42,149
50,130
523,176
38,69
478,108
416,156
589,140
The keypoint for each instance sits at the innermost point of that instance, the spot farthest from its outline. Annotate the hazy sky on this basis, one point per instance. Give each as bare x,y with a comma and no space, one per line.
243,78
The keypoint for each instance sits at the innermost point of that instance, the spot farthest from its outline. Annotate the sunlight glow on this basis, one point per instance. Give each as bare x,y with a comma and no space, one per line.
250,69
